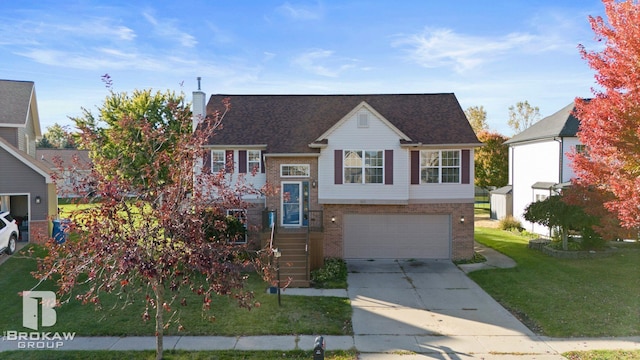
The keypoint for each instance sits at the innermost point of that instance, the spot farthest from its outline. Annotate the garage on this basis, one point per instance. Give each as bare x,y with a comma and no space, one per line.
397,236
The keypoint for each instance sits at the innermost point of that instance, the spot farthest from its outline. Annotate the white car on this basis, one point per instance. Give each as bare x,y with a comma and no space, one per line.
8,233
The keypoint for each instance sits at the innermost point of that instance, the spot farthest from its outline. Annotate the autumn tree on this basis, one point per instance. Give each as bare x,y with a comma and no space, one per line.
609,122
491,160
522,115
592,199
477,117
146,239
60,136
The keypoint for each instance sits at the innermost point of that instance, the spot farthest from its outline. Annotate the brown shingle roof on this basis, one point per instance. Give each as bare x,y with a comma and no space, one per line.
289,123
53,157
15,97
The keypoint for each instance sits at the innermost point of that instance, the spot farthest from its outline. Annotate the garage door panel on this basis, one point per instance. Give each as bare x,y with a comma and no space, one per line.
398,236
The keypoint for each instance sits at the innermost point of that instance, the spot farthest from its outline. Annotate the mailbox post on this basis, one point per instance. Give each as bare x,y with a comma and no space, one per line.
318,348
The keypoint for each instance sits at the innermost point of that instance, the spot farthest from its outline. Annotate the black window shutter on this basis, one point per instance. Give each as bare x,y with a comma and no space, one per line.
415,167
337,166
229,163
388,167
206,162
242,161
466,165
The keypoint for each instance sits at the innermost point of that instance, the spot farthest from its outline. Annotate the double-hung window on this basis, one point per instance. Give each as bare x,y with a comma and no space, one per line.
363,166
253,160
440,166
218,161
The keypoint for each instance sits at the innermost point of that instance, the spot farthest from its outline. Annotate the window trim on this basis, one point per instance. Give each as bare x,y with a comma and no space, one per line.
364,166
307,166
440,167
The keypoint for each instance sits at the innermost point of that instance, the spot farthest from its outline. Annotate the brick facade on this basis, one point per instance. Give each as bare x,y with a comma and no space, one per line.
272,169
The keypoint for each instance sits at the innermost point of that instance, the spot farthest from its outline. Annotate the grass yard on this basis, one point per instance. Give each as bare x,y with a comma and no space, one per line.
563,297
297,315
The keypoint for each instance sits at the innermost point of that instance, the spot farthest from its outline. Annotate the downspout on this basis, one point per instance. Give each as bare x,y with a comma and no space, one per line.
560,157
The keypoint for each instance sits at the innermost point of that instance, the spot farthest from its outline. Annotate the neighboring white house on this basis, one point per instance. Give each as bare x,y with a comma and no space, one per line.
538,161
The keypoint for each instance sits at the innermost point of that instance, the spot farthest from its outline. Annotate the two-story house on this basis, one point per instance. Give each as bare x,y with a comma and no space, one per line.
380,176
27,190
538,161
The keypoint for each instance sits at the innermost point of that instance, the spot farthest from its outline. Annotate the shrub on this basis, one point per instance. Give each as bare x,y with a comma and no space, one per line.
510,223
333,274
591,240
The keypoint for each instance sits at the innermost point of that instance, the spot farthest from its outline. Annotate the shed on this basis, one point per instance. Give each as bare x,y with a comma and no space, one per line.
501,202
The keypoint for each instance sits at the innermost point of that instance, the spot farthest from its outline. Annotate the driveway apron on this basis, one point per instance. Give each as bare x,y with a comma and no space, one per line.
430,307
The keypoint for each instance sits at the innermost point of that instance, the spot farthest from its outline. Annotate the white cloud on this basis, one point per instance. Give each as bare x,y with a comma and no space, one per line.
166,28
443,47
299,12
323,63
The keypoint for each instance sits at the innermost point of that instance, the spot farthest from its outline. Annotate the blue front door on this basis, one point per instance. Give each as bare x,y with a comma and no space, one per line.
291,204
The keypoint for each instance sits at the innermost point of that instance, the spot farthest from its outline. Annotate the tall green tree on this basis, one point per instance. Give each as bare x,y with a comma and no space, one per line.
522,115
44,143
59,136
477,117
148,238
491,160
611,119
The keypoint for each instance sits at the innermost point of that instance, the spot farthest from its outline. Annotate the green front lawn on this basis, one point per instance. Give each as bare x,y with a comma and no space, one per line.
297,315
563,297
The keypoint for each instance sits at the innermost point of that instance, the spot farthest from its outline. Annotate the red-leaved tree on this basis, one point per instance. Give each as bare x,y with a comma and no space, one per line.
148,230
610,122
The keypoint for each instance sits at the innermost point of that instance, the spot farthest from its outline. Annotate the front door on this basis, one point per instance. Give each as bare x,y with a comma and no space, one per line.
291,203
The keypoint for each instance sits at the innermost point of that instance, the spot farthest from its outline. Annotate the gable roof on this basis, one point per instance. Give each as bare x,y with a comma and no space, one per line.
560,124
52,158
289,123
26,159
17,100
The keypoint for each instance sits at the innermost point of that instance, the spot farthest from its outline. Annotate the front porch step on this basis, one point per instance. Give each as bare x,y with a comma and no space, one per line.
293,262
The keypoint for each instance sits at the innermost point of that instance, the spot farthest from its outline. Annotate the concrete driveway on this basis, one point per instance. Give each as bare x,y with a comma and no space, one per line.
430,309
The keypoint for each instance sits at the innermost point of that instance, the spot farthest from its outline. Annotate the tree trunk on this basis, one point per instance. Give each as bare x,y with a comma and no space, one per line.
159,292
565,239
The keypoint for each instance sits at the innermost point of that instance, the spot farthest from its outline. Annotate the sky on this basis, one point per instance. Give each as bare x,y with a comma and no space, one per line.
490,53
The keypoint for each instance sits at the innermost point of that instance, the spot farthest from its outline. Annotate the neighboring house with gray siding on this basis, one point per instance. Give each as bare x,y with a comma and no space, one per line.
27,190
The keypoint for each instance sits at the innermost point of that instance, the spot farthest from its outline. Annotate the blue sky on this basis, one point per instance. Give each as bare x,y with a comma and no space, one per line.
492,53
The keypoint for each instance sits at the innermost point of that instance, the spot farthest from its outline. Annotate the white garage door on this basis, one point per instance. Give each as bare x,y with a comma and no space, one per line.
397,236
